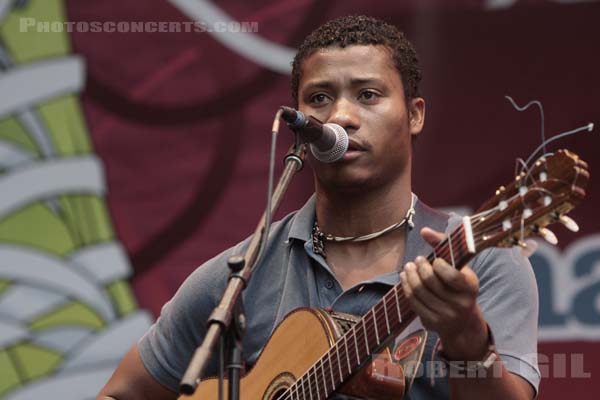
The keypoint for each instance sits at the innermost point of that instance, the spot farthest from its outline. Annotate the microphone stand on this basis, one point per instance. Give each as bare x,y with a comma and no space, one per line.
227,322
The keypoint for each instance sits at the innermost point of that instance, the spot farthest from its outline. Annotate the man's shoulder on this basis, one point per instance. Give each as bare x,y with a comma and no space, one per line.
216,267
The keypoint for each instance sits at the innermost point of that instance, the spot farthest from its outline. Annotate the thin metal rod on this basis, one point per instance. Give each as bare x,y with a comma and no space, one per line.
224,311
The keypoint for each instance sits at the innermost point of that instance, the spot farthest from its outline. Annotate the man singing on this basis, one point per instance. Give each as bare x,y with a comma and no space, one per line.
362,74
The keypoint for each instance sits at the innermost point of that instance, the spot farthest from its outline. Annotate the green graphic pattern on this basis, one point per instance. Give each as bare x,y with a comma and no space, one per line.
58,226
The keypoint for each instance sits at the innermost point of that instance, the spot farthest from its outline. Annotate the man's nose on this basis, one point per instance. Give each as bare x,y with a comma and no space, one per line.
345,114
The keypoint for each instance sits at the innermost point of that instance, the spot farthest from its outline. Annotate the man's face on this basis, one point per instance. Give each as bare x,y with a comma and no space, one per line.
359,88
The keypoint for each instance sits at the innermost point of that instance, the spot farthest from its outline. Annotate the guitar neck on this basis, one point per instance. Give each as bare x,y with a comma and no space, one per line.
387,319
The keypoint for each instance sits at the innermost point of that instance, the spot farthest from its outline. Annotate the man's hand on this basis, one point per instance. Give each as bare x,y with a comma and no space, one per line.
446,301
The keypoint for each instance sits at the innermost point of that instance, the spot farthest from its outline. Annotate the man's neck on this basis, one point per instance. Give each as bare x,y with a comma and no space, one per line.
364,211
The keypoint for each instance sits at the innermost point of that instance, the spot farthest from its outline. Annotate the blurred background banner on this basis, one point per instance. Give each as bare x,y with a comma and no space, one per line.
134,141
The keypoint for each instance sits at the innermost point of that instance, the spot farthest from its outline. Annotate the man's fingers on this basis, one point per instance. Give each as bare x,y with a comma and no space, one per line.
424,312
431,236
463,280
421,290
431,280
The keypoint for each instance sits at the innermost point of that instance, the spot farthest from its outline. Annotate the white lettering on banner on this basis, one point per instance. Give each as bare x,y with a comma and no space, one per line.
569,286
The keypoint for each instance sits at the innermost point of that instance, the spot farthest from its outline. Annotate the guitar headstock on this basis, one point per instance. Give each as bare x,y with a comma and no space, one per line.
536,198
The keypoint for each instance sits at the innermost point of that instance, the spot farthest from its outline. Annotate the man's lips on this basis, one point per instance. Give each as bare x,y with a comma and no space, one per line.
355,150
354,145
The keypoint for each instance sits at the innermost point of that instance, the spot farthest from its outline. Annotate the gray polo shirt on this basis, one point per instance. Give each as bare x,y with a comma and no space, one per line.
293,276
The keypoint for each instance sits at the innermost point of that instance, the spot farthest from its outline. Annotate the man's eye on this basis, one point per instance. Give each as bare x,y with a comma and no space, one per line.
318,98
368,95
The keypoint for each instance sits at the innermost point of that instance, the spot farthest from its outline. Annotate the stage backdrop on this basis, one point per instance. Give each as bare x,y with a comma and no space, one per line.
133,147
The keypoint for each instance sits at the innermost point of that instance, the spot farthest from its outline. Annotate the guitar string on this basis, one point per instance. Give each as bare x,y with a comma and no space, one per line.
318,382
378,310
371,330
333,360
314,379
444,245
364,321
443,250
349,356
359,335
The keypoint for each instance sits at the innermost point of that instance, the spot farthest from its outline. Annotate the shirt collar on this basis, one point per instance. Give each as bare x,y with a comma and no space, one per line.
303,221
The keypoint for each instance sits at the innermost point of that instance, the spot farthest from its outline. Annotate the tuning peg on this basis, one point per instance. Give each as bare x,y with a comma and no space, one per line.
548,236
569,223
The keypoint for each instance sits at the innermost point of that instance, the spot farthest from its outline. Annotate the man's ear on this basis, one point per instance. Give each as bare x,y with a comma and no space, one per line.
417,115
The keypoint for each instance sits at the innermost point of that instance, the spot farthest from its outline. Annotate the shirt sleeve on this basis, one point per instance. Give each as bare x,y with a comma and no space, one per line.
508,298
168,345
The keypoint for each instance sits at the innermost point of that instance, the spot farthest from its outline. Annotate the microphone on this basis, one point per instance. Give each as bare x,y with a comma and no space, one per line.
328,142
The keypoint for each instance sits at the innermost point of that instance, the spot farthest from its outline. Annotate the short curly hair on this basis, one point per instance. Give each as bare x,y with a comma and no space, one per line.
362,30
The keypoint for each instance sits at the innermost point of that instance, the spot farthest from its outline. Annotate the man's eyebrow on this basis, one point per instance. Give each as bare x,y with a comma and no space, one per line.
366,81
353,82
318,85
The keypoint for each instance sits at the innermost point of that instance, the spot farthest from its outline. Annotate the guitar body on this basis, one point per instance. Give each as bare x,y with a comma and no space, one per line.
298,342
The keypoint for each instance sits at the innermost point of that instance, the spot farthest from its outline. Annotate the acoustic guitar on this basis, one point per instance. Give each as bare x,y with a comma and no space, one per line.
314,353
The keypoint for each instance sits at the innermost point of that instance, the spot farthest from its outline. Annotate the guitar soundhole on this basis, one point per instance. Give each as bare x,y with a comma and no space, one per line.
278,386
279,394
